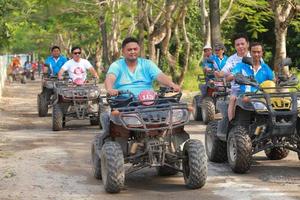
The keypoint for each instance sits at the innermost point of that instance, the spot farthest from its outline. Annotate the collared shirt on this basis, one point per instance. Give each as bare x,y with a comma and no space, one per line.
262,74
205,62
55,64
141,79
219,63
231,62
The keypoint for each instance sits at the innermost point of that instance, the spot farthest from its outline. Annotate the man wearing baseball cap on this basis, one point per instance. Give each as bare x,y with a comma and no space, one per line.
219,57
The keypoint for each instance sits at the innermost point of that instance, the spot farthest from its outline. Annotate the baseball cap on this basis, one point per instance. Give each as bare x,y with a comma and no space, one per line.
218,46
207,47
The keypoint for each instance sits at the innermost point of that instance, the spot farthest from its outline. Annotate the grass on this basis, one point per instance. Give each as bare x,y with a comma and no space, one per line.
190,80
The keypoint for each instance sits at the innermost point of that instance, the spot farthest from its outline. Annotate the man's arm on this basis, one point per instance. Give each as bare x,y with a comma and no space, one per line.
60,73
93,71
165,80
109,84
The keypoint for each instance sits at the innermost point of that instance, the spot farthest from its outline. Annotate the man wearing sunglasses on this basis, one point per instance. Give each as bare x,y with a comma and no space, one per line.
77,66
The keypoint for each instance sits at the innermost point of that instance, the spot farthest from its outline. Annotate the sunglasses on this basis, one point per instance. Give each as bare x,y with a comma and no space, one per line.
77,53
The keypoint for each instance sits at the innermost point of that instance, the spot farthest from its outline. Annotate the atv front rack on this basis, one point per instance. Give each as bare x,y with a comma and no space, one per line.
71,92
163,116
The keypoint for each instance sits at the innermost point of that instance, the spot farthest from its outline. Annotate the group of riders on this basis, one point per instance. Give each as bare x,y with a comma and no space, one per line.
136,74
227,67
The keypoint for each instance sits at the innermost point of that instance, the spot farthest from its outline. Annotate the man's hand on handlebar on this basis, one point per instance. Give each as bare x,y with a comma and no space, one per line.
176,87
112,92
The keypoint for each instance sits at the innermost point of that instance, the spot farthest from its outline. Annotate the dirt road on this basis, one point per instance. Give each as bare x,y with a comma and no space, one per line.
36,163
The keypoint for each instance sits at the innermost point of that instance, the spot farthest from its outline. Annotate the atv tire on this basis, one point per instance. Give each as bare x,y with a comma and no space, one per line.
194,164
112,167
23,79
94,121
277,153
57,118
208,110
215,148
96,161
42,102
197,113
239,149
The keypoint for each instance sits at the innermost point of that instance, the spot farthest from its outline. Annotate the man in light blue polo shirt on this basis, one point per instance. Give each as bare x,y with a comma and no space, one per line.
55,61
134,73
260,71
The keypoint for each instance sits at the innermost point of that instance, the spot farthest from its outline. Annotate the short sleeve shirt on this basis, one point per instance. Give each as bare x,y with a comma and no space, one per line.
141,79
264,73
77,70
218,63
231,62
55,64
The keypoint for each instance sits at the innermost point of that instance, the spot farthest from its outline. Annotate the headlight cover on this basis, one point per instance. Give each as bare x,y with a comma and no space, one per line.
94,94
298,103
258,106
132,120
179,115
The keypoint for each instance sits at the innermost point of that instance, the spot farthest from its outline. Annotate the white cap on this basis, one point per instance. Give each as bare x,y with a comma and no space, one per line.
207,47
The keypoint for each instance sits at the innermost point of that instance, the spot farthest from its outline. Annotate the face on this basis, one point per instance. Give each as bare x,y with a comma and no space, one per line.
219,52
207,52
241,46
131,51
55,53
76,54
256,53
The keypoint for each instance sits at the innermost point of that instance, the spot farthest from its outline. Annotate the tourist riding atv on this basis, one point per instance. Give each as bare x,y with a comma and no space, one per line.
30,73
147,132
212,89
266,120
75,100
18,74
45,98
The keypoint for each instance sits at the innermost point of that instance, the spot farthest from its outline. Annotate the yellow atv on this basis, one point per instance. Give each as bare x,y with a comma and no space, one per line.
266,120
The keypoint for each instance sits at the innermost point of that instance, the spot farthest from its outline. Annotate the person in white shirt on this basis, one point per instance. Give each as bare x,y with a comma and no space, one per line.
77,67
241,44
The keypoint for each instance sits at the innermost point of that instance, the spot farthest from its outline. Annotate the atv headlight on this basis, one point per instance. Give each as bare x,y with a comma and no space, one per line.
179,115
67,93
258,106
132,120
94,94
298,103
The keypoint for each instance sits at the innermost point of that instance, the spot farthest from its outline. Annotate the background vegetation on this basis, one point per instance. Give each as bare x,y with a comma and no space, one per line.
173,32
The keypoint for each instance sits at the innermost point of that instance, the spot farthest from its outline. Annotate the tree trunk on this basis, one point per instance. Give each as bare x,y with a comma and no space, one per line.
214,16
205,24
141,8
284,12
187,46
102,28
115,30
98,56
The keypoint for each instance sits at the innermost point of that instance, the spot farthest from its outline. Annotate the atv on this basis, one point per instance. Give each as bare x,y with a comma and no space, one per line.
266,120
17,74
75,100
45,98
212,89
147,132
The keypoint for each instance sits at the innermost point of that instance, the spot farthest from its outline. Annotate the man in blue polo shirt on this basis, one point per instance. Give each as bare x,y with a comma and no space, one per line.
55,61
260,71
134,73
